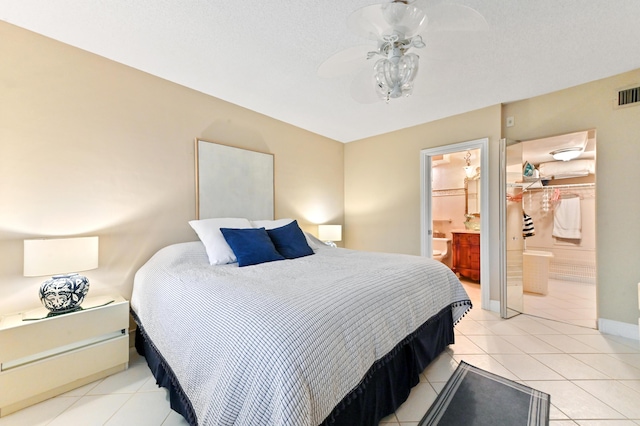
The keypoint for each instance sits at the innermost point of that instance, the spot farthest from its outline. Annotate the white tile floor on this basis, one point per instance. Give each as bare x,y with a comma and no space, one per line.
566,301
593,379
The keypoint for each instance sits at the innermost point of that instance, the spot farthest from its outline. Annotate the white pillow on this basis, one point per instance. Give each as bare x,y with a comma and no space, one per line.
272,224
208,231
313,242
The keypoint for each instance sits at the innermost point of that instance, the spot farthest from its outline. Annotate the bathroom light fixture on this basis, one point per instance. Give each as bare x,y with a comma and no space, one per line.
64,256
567,154
469,170
329,234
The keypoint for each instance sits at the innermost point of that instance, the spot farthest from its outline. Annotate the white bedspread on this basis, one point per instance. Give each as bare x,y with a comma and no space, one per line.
282,343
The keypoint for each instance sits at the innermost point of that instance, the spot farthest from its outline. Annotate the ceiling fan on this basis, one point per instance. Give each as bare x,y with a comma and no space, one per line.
389,69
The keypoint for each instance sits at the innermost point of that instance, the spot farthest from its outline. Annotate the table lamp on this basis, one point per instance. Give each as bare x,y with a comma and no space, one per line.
61,258
329,234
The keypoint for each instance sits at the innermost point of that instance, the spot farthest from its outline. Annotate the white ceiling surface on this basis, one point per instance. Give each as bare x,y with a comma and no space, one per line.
263,55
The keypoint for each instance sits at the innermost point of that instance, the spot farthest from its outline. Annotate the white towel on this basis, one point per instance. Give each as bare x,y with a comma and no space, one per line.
567,220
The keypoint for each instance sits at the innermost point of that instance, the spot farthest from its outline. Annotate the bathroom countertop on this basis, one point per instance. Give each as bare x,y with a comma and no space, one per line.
464,231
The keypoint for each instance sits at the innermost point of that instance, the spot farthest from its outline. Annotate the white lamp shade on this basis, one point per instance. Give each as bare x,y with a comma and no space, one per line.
330,232
59,256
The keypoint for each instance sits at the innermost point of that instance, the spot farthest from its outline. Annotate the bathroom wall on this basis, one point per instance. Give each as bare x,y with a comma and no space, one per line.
448,199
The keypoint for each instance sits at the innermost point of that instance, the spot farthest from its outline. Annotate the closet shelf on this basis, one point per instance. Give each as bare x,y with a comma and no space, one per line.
569,185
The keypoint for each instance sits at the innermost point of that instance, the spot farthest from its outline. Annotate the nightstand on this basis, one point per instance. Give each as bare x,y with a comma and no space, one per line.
41,357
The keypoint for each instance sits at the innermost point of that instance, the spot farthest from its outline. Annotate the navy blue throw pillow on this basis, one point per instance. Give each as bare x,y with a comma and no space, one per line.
290,241
250,245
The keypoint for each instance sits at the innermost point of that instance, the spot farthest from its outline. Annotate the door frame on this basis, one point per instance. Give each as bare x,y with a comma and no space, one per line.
426,216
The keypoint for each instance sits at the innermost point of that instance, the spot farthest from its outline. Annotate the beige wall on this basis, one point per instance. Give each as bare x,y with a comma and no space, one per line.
382,183
92,147
590,106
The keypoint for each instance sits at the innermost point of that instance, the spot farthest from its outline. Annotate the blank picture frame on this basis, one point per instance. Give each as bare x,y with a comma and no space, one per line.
233,182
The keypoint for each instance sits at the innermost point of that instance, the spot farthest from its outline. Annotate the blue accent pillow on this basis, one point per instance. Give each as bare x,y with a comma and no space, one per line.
251,245
290,241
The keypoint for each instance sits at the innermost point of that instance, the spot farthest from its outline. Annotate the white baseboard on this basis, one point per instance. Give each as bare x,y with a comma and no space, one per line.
617,328
494,306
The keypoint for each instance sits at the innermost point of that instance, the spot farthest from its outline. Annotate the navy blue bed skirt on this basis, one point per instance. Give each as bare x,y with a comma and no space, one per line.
383,389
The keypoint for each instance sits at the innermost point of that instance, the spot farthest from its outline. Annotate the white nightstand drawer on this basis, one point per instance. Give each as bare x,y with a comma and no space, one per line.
43,379
23,338
59,350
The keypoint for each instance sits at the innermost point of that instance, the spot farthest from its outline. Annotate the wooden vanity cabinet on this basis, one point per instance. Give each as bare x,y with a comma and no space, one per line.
466,254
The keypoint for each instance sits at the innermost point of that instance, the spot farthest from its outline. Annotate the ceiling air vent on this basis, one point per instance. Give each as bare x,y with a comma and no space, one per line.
627,97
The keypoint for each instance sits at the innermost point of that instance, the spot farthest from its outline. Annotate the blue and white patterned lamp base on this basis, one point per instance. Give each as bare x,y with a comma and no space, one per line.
64,293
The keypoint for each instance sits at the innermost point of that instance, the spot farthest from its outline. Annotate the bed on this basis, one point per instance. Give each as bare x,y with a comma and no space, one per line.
335,336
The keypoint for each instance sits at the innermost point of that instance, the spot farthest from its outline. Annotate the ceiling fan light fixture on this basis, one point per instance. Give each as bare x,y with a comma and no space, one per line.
397,26
567,154
394,76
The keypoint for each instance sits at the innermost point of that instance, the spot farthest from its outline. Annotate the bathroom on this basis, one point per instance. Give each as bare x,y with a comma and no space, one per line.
551,212
456,213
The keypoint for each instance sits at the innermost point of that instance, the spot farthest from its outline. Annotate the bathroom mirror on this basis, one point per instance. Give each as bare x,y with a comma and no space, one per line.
472,197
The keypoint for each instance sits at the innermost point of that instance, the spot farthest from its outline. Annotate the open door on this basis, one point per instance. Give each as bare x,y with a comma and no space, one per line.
511,220
426,234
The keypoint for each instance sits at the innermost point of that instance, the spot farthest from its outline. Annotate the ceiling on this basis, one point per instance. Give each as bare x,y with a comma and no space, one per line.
263,55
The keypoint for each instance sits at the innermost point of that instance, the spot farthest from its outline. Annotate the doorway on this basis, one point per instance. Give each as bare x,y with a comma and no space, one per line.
548,228
474,190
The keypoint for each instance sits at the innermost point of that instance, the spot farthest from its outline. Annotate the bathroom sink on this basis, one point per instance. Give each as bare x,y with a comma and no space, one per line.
472,226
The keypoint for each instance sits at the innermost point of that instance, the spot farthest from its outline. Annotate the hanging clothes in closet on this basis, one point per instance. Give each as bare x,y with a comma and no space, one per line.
527,226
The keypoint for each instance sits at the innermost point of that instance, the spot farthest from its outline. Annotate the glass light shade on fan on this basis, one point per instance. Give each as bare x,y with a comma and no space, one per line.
394,77
379,20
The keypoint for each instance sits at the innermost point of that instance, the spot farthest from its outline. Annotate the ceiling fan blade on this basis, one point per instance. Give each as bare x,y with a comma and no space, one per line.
362,87
345,62
377,20
455,17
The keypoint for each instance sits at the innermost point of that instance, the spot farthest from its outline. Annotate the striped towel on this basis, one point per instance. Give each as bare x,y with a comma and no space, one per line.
527,228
